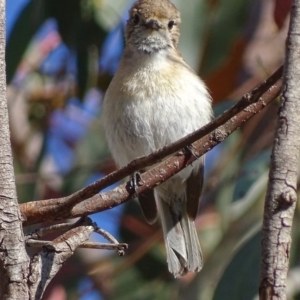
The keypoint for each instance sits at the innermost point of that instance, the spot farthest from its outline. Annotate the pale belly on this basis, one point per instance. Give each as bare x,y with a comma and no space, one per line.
138,128
141,129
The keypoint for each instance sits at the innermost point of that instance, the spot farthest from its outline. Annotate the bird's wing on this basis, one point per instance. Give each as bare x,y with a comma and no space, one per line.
194,188
148,206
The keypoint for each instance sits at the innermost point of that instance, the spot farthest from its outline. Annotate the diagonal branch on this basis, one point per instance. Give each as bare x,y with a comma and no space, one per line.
210,135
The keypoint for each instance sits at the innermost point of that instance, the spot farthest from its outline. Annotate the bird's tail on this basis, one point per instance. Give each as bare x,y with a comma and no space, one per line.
181,239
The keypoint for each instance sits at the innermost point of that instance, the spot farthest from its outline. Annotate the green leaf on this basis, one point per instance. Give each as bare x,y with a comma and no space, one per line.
27,24
241,277
132,286
250,171
231,15
79,31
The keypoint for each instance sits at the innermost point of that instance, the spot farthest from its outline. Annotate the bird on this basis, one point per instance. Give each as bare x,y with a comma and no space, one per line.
154,99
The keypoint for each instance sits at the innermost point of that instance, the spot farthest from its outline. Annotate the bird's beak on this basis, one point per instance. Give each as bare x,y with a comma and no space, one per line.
153,24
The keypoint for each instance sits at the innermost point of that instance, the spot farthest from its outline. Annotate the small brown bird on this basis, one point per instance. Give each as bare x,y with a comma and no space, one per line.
154,99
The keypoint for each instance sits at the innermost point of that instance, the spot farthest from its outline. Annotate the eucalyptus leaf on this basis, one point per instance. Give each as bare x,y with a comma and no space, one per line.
241,277
29,21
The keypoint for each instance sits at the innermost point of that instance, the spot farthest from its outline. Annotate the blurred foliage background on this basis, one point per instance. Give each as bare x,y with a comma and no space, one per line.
61,56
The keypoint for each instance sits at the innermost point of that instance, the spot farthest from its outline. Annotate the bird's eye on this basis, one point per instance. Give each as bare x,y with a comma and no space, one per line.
135,19
171,24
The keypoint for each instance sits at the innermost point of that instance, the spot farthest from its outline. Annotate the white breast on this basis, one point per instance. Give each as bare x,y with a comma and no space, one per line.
152,105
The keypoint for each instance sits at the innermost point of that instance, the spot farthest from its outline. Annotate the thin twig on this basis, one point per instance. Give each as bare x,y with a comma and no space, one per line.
120,248
106,235
41,232
37,243
33,239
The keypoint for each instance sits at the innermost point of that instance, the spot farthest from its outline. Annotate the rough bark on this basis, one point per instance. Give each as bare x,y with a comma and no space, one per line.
45,264
281,193
14,261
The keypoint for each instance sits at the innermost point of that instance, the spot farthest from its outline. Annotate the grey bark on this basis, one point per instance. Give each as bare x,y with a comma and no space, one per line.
281,193
45,264
22,277
14,261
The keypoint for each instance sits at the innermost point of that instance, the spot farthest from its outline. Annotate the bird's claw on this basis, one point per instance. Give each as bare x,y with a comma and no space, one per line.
191,151
133,183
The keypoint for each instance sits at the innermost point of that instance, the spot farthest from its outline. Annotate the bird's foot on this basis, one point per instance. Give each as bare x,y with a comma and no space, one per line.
190,150
133,182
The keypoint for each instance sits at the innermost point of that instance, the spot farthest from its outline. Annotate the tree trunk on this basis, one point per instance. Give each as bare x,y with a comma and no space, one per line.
14,261
281,195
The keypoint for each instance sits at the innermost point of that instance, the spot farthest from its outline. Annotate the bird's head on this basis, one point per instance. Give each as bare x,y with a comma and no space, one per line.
152,26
